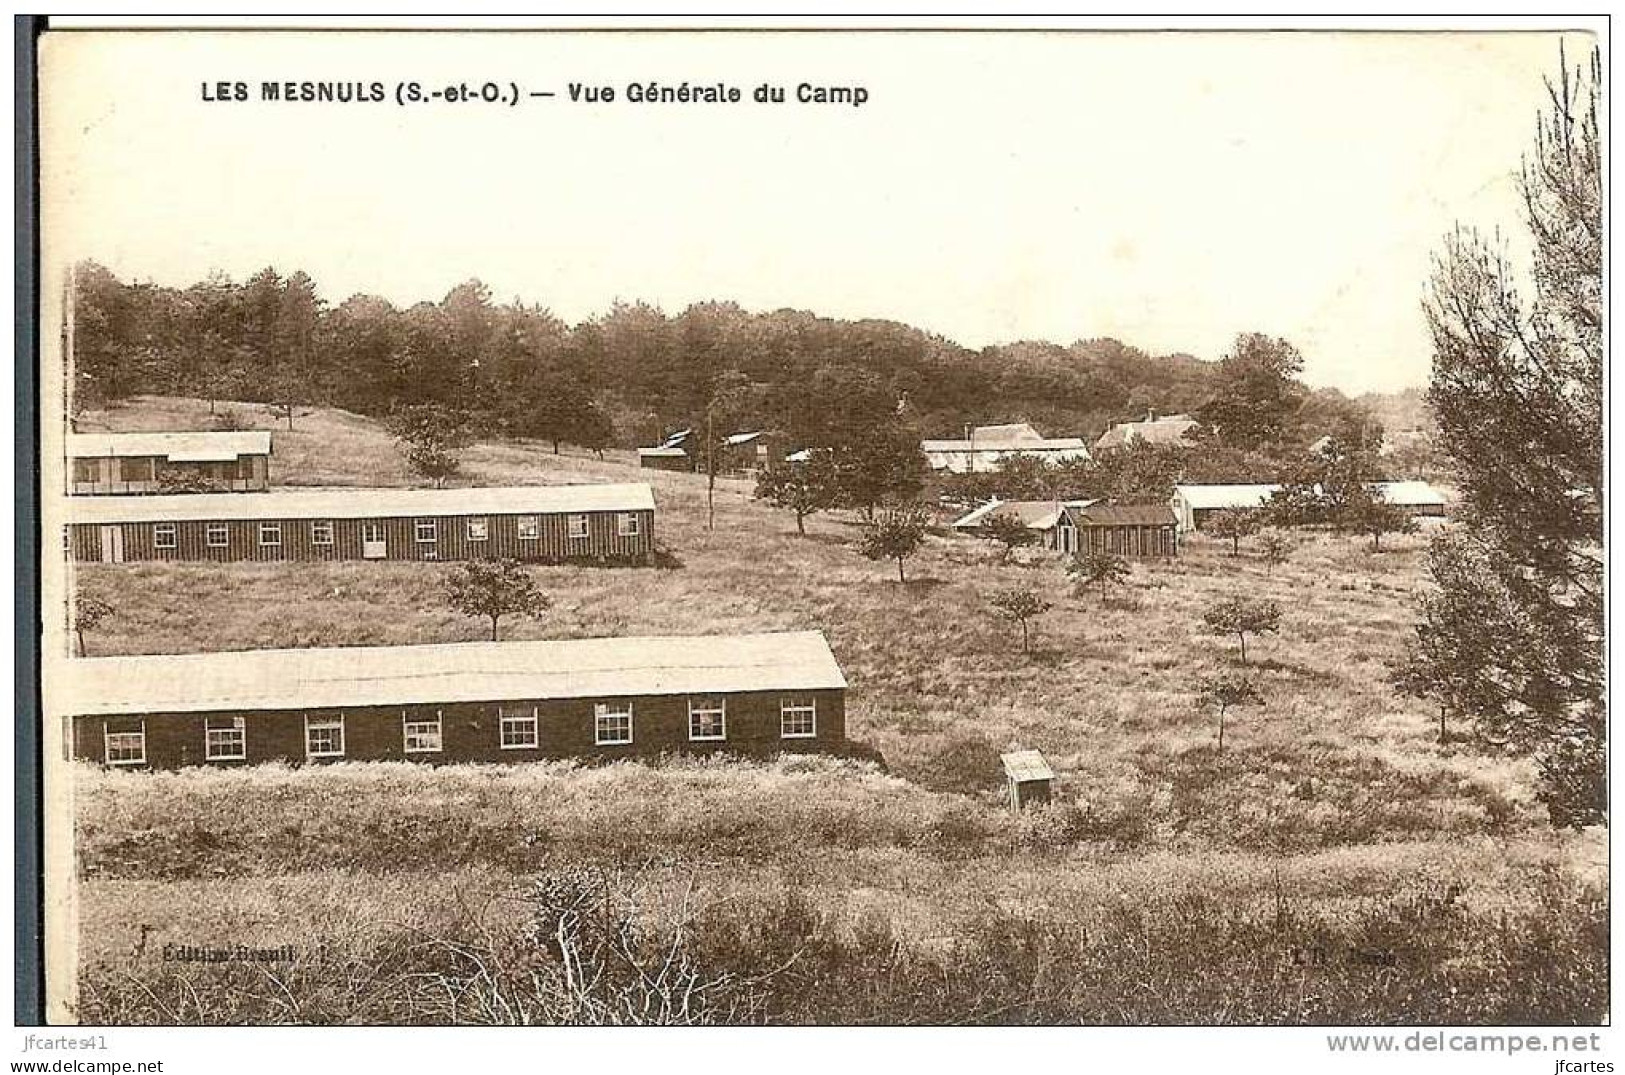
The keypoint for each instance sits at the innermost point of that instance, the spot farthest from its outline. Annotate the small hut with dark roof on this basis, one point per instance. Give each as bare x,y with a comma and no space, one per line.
1135,530
1028,776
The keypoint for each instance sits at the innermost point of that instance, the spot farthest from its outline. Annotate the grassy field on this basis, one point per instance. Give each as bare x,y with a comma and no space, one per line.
1335,863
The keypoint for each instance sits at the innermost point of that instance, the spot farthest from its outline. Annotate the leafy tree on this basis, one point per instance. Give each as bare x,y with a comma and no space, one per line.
1414,676
284,395
1276,548
1025,477
594,430
1007,531
1098,567
1517,394
1142,472
1020,605
894,535
554,406
1242,616
878,464
1373,517
494,588
1234,524
803,488
89,611
1257,394
1227,691
430,435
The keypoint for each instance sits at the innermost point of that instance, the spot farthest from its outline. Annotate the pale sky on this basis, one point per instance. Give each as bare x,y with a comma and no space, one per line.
1170,190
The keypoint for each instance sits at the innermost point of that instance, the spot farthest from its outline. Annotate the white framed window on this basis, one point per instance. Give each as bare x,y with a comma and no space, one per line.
163,535
321,532
580,529
125,748
324,736
798,717
517,727
427,532
420,734
627,524
217,535
225,739
479,529
612,723
707,718
530,528
270,533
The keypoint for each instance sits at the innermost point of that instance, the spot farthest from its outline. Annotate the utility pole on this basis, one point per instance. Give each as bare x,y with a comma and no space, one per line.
710,466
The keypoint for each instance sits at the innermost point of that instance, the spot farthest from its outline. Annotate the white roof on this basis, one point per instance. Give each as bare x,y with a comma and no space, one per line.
979,445
1025,765
741,438
178,447
1034,514
361,503
1225,496
348,676
1169,429
1411,494
664,452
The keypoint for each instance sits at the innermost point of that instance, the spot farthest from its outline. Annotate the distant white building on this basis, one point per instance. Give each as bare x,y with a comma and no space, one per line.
1417,497
985,446
1194,503
1169,429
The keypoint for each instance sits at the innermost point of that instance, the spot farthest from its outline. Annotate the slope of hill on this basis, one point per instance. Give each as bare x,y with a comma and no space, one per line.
1333,835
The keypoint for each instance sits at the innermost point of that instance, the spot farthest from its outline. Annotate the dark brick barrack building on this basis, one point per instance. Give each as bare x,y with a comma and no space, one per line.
536,523
465,702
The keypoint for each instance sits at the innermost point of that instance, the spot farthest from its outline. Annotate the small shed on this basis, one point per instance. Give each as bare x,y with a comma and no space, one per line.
1028,776
663,458
1133,530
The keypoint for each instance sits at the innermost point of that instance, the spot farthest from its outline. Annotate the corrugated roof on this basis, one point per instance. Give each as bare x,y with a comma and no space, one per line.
1124,515
1225,496
1026,765
361,503
295,679
181,447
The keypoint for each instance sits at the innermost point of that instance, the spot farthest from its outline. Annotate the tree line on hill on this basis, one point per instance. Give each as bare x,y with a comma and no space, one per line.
635,373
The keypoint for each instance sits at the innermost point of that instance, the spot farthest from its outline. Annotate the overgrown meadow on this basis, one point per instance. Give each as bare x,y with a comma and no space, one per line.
1337,862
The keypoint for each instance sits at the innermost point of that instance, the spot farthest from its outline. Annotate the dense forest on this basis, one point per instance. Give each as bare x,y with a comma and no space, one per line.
624,378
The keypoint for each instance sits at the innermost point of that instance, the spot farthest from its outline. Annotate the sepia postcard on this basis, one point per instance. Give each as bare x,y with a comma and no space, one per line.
984,524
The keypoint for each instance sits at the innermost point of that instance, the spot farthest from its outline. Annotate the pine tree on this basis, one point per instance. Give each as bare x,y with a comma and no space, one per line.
1517,394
